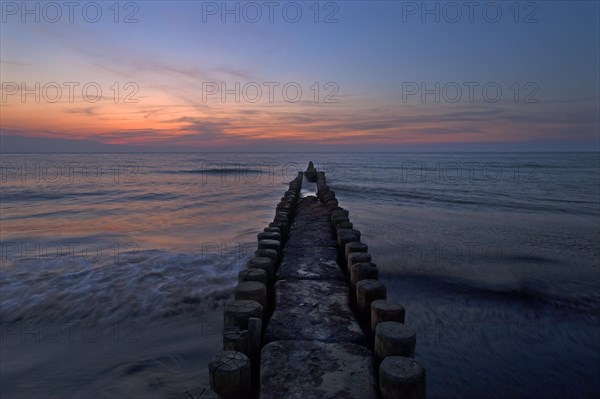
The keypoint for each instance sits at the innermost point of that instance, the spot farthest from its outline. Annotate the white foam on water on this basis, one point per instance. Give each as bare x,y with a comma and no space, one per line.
151,284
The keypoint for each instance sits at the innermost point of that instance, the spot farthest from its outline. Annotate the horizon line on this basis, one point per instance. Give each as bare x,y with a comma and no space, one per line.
301,152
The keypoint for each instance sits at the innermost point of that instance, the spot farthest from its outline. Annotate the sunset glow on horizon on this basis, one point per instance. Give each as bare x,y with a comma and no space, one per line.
372,76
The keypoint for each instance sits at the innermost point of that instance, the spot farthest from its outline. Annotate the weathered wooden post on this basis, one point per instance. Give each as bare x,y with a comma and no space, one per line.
199,393
382,310
230,375
258,275
351,247
394,339
359,272
252,290
401,377
237,313
366,292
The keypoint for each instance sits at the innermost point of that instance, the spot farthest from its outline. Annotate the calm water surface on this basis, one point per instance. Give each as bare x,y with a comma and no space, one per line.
115,267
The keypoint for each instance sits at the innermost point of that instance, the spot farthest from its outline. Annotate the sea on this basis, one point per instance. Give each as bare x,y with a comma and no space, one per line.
115,267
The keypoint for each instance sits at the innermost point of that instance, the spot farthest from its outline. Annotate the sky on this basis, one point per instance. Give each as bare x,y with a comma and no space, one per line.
299,76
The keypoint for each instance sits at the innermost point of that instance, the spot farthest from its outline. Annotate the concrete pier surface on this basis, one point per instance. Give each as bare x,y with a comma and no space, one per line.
309,311
314,347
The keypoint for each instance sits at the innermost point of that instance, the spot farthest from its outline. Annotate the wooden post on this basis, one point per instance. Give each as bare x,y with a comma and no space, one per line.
268,253
258,275
394,339
199,393
253,291
266,264
230,375
382,310
366,292
271,244
235,340
269,235
401,377
359,272
237,313
344,236
354,246
254,347
358,257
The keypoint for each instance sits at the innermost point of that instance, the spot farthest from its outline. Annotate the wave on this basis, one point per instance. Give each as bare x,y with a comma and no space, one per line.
153,285
26,195
527,292
494,200
153,197
226,171
103,196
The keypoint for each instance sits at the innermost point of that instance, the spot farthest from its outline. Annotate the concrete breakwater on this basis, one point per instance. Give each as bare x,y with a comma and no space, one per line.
310,318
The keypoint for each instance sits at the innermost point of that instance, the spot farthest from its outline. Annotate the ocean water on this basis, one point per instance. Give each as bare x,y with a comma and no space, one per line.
115,267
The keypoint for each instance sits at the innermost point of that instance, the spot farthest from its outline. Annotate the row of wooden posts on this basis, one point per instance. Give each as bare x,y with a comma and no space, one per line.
393,342
235,372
